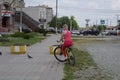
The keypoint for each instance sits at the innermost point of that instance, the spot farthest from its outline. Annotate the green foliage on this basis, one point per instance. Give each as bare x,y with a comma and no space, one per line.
18,34
36,29
23,35
26,36
27,39
63,20
5,35
74,23
53,22
83,68
101,27
4,39
41,31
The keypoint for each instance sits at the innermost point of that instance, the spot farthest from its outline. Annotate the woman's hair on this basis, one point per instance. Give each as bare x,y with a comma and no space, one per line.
65,26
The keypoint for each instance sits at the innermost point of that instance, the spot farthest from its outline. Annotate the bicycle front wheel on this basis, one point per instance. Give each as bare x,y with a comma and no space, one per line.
58,54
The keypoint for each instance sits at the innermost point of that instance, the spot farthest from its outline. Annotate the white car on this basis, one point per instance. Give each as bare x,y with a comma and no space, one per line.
75,32
105,32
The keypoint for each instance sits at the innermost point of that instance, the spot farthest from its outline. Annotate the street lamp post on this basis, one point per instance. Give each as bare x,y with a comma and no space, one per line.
70,24
87,20
20,15
14,14
56,13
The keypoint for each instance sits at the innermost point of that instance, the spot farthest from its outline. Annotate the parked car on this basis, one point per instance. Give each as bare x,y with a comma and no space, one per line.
75,32
112,32
109,32
90,32
105,32
26,30
50,29
118,32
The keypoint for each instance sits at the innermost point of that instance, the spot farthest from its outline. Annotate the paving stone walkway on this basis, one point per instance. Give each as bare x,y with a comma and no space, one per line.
42,66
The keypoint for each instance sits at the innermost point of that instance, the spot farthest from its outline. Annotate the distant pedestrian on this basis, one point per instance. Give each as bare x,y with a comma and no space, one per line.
61,29
14,11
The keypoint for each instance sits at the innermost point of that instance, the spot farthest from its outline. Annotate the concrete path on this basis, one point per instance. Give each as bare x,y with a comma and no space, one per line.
43,66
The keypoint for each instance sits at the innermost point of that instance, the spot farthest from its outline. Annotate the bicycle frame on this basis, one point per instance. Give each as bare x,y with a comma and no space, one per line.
60,57
68,51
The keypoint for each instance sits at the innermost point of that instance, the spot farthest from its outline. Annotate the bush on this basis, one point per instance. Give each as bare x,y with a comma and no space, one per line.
5,35
18,34
40,30
43,31
4,40
32,34
22,35
26,36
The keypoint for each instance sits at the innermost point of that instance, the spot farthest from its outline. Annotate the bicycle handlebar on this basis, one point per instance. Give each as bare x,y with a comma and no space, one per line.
60,42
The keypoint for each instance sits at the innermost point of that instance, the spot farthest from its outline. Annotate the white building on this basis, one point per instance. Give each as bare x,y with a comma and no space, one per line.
42,14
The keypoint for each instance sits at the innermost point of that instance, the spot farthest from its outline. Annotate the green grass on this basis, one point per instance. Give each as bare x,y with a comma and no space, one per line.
18,40
82,60
87,37
85,68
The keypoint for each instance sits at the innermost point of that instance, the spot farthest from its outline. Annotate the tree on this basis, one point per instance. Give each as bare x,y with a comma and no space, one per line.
74,23
101,27
53,22
63,20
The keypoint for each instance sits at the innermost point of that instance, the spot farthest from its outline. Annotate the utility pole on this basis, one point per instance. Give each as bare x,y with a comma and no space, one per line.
107,22
56,13
96,22
110,23
117,20
70,24
20,15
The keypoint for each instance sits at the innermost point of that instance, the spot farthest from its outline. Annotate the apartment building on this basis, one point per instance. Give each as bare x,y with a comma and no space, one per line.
42,14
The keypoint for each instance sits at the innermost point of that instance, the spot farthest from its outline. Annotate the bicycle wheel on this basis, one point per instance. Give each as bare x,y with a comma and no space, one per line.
71,57
58,54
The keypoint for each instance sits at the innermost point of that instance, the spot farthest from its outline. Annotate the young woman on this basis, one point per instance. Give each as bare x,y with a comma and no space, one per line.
66,37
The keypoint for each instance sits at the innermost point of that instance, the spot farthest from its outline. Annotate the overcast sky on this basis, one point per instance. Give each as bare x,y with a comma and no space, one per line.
95,10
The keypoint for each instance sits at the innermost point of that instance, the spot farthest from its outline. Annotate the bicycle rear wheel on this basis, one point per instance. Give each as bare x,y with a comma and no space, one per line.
58,54
71,57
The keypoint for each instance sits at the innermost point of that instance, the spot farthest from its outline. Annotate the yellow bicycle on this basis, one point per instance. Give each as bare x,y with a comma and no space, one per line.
69,53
